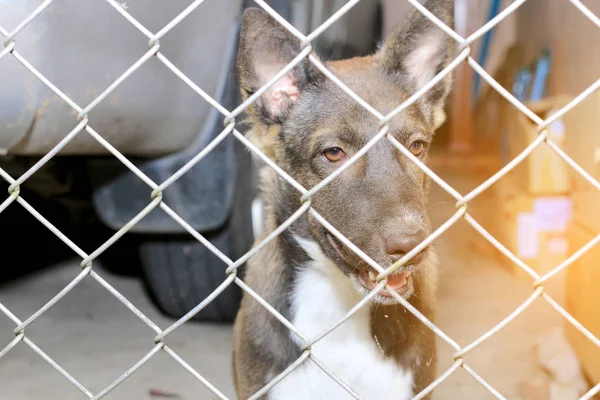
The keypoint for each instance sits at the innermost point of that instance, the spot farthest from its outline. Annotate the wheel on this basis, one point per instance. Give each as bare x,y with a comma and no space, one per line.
181,272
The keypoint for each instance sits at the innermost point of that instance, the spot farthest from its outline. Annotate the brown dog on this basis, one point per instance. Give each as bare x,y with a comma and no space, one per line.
310,127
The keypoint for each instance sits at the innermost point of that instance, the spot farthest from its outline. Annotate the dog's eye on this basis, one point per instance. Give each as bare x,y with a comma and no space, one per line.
334,154
417,147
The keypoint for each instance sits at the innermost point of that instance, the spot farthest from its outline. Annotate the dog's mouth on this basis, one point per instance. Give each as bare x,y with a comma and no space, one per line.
399,281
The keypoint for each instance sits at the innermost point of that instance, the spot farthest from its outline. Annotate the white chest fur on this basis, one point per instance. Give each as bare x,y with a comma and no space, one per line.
322,296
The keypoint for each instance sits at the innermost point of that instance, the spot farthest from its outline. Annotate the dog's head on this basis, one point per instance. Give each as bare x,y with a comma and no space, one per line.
310,127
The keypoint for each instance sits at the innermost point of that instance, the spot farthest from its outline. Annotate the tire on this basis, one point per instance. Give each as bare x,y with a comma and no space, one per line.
181,272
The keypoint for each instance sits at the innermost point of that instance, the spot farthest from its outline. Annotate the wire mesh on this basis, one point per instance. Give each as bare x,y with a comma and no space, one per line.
81,124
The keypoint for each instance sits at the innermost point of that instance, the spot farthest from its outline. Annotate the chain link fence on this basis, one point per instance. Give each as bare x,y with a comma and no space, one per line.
81,124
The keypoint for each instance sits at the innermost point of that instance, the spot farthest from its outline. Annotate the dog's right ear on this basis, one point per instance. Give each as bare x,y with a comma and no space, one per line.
265,49
418,50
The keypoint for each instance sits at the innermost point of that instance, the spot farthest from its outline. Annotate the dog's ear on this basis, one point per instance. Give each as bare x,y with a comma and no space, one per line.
418,50
266,47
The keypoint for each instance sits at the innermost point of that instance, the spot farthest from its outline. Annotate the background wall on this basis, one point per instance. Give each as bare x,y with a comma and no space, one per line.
573,39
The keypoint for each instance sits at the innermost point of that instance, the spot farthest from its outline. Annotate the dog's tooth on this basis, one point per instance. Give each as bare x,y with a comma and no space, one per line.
372,275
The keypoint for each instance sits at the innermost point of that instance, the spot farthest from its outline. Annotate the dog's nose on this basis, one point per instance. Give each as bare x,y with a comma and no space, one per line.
398,245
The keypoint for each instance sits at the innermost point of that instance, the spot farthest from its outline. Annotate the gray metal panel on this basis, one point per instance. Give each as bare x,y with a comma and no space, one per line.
83,46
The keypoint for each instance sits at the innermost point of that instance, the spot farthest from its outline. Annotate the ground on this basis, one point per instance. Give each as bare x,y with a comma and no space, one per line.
94,337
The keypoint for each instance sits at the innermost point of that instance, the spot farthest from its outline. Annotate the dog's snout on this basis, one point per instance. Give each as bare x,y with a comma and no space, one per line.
399,245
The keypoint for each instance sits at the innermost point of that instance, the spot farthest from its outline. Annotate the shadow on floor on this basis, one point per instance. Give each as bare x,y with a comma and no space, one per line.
28,246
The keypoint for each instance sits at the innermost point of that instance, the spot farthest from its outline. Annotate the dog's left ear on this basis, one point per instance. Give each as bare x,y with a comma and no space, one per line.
418,50
265,49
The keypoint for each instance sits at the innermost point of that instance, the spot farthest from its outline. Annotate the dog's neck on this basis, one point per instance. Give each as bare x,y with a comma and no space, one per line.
397,333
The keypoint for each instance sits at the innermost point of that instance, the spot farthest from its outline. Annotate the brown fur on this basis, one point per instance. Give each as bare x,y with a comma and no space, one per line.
373,203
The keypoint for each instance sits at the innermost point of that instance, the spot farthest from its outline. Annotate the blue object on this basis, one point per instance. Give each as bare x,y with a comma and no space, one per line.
542,69
485,47
521,84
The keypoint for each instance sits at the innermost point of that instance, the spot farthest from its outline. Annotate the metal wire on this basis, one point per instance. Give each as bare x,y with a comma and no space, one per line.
81,123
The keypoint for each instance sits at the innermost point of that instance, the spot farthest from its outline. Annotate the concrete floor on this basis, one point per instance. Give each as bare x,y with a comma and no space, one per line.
95,338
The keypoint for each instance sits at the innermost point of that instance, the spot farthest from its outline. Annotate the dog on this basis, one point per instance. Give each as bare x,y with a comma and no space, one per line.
310,127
